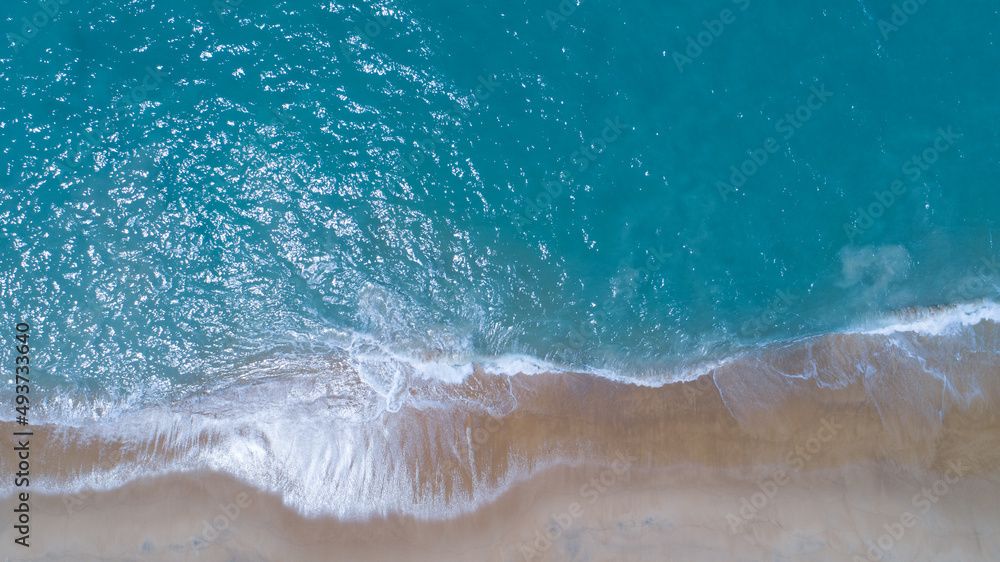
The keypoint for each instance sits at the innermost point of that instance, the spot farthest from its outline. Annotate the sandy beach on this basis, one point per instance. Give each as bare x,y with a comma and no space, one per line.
589,469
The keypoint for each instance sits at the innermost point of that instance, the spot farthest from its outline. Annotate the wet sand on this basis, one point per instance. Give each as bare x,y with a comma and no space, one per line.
590,469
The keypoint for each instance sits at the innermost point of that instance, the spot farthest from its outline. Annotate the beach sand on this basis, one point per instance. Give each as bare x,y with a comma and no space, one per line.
586,468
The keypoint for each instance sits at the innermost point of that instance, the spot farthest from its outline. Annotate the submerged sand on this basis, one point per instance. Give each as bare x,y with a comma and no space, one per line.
745,463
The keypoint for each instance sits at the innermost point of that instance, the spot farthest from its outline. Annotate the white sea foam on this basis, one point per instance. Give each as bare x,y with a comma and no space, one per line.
388,374
330,435
934,322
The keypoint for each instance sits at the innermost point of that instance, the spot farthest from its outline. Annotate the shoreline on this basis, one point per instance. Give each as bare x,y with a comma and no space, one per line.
744,463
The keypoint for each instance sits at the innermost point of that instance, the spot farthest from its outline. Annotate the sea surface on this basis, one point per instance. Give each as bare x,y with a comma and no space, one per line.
358,198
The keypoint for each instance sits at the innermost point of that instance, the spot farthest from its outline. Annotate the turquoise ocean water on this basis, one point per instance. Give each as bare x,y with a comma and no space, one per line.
634,189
